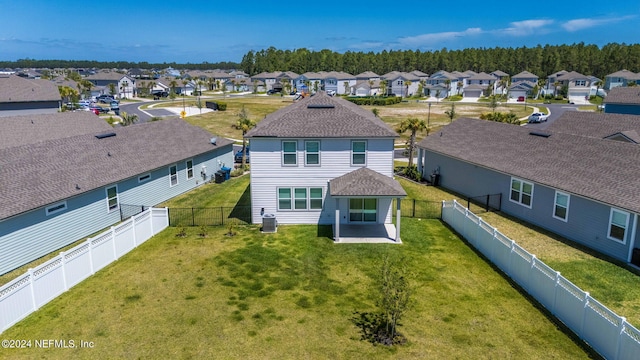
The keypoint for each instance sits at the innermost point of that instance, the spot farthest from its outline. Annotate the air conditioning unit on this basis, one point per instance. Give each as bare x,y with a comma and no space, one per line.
269,223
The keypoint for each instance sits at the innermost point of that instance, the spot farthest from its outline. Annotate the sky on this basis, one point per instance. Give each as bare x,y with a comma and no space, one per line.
197,31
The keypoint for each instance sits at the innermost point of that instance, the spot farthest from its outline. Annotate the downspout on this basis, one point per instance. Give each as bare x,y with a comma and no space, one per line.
632,242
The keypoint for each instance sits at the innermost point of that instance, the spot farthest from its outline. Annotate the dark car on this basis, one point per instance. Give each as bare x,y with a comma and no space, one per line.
238,157
98,109
159,94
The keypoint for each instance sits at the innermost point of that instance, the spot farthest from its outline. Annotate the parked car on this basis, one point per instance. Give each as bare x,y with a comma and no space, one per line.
538,117
114,105
238,157
520,98
98,109
105,99
159,94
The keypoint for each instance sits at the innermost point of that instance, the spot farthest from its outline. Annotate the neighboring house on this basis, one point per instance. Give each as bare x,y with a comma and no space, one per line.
401,84
621,78
578,179
552,85
20,96
324,160
441,84
125,86
502,82
340,82
578,87
66,176
623,100
366,88
269,79
478,85
522,84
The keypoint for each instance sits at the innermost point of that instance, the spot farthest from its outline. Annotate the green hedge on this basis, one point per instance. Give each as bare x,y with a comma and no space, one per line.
379,101
222,106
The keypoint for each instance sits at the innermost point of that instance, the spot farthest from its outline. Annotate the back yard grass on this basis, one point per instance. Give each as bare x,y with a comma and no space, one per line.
290,295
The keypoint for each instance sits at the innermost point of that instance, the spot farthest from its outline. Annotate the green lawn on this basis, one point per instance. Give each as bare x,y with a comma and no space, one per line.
290,295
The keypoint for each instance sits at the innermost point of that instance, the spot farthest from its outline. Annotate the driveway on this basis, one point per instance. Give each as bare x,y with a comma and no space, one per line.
555,111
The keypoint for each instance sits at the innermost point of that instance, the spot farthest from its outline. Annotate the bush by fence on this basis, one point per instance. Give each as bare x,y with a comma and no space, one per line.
380,101
30,291
606,332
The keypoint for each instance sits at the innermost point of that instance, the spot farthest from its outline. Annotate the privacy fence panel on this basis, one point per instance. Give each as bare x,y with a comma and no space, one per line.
606,332
28,292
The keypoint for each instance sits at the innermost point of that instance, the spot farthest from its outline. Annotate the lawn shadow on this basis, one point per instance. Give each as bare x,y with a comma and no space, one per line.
325,231
242,209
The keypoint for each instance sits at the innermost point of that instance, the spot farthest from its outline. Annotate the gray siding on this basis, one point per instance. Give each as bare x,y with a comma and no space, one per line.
622,109
587,222
31,235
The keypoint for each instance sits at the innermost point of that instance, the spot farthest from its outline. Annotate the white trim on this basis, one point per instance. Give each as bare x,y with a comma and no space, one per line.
626,225
171,184
520,192
117,198
292,198
555,204
55,208
144,178
187,168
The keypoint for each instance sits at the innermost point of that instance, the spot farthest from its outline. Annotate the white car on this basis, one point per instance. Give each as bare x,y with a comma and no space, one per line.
538,117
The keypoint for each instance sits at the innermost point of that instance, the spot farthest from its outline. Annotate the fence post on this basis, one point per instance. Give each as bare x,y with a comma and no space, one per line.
64,271
555,293
89,240
486,208
133,224
113,240
33,291
221,215
414,209
623,323
193,218
584,314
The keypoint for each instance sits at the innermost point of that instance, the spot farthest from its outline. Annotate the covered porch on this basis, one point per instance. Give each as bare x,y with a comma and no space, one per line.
364,207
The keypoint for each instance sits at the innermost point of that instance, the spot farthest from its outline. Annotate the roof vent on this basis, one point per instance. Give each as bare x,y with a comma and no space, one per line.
320,106
105,135
214,140
540,133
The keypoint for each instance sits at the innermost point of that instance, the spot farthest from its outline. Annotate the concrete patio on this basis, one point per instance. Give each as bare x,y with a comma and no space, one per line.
367,234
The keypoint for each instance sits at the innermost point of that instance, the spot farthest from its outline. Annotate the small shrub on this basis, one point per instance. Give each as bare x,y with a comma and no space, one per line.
203,231
182,232
232,231
222,106
412,173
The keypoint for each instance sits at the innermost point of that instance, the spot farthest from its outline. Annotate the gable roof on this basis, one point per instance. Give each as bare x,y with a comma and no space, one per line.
14,88
39,174
595,125
626,74
524,75
320,116
623,95
365,182
31,129
571,76
598,169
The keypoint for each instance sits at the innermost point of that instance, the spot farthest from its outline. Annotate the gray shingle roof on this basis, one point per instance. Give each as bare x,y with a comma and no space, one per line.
623,95
365,182
602,170
596,125
17,89
43,173
30,129
321,116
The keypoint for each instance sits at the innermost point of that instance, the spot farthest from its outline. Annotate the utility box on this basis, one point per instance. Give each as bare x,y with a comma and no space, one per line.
269,223
435,179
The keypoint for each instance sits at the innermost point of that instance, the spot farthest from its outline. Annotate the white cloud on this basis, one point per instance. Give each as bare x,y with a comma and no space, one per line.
525,27
367,45
434,38
580,24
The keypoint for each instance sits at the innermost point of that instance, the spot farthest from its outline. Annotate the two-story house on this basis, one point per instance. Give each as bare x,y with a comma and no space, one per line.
621,78
479,85
401,83
578,86
325,160
623,100
441,84
522,85
20,96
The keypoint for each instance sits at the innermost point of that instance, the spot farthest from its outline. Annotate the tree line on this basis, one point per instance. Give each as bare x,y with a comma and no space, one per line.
540,60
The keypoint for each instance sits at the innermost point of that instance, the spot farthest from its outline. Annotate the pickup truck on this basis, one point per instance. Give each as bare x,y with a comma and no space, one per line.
538,117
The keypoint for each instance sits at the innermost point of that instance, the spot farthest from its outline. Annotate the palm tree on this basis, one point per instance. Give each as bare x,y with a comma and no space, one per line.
346,88
448,84
173,84
370,86
128,119
244,124
459,86
407,84
383,87
451,113
413,125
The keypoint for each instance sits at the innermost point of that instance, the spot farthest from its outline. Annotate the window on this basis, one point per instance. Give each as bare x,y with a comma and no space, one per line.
521,192
358,153
284,199
189,169
618,223
56,208
315,198
312,152
300,198
363,210
289,155
561,207
173,175
143,178
581,83
112,198
303,198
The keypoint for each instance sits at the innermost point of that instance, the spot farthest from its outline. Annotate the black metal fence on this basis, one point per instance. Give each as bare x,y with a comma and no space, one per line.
238,215
127,211
487,203
423,209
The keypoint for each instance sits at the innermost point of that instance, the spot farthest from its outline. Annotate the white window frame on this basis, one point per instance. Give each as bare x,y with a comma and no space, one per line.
354,153
295,153
307,198
189,169
116,198
173,177
144,178
556,205
520,192
56,208
307,153
625,228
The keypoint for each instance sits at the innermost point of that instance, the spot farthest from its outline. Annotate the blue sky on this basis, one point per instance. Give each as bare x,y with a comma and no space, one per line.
197,30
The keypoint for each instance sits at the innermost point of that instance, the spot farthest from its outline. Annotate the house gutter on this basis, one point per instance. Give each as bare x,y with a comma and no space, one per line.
632,243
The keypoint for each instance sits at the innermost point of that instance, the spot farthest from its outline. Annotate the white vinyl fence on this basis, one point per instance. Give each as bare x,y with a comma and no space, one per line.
39,285
606,332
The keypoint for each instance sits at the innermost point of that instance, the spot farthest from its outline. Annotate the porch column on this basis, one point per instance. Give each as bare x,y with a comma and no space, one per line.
398,219
419,163
336,226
